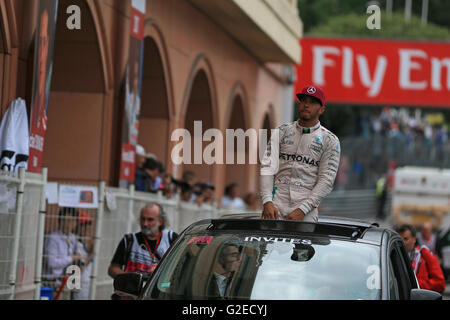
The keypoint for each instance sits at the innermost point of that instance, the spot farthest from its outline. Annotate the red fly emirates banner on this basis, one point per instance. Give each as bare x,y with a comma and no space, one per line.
410,73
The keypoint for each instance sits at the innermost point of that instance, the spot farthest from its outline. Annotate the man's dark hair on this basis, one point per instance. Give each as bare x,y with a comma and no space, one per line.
406,227
151,164
161,167
67,211
222,254
186,187
229,187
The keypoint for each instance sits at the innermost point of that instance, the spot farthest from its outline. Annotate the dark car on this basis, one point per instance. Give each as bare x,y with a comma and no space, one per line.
244,257
443,250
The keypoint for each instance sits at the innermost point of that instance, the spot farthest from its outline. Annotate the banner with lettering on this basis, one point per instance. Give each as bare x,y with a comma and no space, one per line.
43,62
133,83
382,72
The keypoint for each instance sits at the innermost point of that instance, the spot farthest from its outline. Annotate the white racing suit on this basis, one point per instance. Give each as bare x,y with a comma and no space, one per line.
298,168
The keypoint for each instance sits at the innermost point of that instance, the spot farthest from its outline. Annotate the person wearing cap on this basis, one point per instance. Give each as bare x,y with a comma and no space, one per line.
300,163
146,177
61,250
140,156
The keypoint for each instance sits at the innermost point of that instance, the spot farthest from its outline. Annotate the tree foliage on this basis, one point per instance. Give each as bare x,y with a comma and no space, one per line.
394,27
318,12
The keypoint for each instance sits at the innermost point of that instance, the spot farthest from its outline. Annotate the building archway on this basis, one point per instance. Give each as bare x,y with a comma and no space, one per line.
199,104
199,108
154,120
238,172
77,102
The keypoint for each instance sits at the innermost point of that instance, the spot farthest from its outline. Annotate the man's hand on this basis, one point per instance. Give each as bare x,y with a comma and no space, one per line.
270,212
297,214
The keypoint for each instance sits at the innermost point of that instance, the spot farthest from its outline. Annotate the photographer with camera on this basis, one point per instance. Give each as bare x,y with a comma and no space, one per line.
142,251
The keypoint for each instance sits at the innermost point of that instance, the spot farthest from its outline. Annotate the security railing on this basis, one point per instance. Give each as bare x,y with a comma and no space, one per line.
28,225
22,213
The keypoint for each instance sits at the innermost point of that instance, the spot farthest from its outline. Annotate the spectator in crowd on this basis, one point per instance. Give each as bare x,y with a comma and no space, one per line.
252,202
208,193
358,170
231,200
381,195
427,238
158,185
197,193
140,156
186,192
86,244
168,186
146,179
227,265
425,264
142,179
142,251
61,250
203,193
189,177
341,177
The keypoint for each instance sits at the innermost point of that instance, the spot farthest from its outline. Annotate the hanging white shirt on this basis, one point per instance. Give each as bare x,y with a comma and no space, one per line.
14,137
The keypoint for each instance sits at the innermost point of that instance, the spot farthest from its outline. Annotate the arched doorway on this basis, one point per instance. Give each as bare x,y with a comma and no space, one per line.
154,120
76,124
237,172
199,108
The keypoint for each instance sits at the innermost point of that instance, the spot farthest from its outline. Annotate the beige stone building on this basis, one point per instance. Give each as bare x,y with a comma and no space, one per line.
227,63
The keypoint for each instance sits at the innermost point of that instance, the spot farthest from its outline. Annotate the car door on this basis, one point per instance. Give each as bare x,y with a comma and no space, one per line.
400,283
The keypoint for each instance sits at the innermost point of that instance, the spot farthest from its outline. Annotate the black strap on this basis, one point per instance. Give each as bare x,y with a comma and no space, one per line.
128,245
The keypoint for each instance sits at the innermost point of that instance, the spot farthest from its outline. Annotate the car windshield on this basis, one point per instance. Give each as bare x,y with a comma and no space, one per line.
250,266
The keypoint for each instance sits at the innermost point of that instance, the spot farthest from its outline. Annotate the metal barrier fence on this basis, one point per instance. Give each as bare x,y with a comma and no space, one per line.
21,231
369,157
357,204
38,241
123,217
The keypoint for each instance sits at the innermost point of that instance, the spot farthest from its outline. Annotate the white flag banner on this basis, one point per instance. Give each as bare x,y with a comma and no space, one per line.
51,192
14,137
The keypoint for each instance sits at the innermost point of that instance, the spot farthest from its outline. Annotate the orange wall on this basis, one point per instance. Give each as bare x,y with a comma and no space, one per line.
84,129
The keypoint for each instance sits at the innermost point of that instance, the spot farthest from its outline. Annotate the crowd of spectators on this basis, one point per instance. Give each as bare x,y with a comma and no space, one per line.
151,176
402,136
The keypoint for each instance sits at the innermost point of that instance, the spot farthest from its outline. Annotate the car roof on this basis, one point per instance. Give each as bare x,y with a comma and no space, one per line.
340,227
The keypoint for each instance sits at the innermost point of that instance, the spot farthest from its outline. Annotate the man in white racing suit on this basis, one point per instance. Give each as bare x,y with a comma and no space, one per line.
300,163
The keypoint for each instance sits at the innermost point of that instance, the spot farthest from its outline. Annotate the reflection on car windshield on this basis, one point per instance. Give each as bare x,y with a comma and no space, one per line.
260,267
